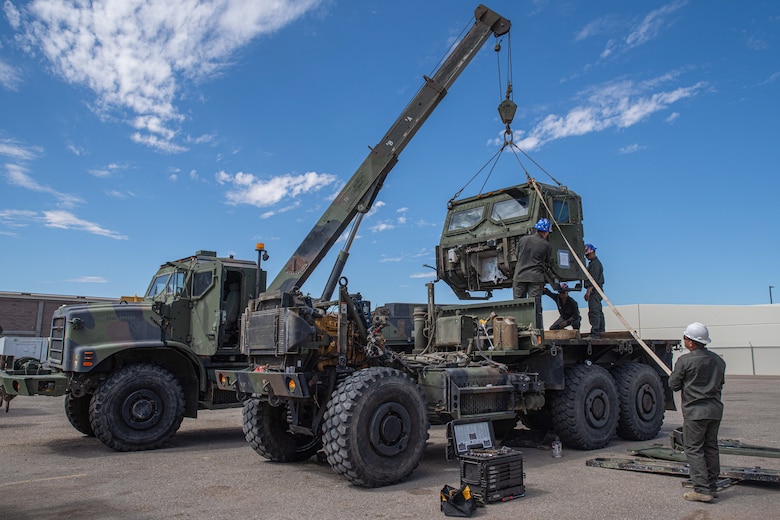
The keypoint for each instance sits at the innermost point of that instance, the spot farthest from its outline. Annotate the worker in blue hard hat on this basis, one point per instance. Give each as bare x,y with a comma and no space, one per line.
593,297
534,258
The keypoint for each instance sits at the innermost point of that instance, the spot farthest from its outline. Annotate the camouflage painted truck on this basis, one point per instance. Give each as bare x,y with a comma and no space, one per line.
131,371
328,374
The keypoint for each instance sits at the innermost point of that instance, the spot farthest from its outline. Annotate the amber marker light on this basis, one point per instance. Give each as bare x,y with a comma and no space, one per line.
291,386
88,358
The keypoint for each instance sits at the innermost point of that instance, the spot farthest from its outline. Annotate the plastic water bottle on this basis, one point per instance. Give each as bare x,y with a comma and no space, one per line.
557,448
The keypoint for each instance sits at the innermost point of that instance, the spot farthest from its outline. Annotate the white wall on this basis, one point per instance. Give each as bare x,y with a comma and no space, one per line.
747,336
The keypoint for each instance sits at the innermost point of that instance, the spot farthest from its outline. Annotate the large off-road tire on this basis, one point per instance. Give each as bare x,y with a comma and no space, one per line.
375,427
266,430
139,407
642,401
537,419
585,413
77,412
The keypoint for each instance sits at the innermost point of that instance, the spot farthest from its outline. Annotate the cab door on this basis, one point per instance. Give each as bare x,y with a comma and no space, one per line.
205,312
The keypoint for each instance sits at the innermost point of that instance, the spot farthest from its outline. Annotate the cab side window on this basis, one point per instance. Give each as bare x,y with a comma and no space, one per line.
201,282
561,211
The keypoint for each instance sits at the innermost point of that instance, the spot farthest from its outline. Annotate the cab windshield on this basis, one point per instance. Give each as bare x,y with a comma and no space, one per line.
509,209
465,219
166,284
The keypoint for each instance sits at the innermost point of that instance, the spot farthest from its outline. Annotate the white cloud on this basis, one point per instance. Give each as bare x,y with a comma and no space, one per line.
393,259
9,76
67,220
15,218
426,274
88,279
76,150
771,79
619,104
382,226
107,171
12,13
632,148
120,194
153,141
16,176
378,204
649,28
653,23
136,54
247,189
202,139
16,150
605,24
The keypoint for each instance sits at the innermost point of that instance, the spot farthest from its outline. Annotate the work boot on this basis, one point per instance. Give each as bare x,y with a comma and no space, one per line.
695,496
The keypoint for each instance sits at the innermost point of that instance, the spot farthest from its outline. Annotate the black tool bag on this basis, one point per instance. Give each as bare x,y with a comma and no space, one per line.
457,501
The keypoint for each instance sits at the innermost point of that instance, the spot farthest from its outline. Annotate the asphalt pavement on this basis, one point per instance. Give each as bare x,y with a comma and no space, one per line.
48,470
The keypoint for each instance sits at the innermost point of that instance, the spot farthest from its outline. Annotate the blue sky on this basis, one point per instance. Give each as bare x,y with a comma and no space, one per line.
135,132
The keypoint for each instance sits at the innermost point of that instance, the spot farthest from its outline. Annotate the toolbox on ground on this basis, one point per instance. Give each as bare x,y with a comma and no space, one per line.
493,474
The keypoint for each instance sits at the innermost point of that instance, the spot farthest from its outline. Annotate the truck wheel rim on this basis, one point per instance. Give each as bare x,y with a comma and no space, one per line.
597,409
389,430
141,409
646,402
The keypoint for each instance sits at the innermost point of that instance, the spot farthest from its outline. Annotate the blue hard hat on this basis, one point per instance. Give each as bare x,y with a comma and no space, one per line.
590,247
543,225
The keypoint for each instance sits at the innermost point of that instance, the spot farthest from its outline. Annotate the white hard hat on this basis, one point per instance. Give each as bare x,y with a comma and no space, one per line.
697,332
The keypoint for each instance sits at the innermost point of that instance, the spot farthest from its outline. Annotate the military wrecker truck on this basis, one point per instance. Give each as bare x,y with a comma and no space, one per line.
131,371
326,373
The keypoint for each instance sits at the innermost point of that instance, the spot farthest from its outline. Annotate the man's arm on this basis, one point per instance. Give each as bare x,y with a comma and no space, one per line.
676,377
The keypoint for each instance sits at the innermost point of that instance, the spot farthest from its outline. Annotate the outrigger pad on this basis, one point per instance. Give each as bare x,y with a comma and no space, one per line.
735,473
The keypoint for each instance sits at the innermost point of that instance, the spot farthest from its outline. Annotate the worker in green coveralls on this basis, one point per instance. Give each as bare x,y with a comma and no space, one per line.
699,375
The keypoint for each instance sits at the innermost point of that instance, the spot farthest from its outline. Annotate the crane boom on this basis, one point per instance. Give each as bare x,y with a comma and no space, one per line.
359,193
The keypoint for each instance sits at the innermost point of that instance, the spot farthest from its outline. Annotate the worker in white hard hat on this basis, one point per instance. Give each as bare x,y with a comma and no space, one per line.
699,375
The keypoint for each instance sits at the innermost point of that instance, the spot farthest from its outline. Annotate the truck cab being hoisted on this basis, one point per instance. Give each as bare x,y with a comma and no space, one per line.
478,247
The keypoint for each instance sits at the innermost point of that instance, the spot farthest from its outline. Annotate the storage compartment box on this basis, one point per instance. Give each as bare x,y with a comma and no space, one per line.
493,475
